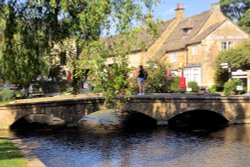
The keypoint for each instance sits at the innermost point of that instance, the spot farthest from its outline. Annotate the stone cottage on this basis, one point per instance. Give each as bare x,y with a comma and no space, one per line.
191,44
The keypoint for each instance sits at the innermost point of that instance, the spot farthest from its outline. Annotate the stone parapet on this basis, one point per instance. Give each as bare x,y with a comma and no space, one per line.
161,107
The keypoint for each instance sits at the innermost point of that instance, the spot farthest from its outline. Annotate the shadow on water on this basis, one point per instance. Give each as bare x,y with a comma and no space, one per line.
198,122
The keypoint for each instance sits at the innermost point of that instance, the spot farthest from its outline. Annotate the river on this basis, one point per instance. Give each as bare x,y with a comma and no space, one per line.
159,147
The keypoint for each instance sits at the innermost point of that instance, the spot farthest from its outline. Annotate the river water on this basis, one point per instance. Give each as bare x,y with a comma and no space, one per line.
159,147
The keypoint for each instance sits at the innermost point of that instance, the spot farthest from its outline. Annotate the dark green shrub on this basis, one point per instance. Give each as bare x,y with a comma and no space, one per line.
230,86
7,95
194,86
175,85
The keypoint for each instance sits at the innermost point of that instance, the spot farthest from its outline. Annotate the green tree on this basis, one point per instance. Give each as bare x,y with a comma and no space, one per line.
23,56
2,27
34,27
234,9
238,58
244,22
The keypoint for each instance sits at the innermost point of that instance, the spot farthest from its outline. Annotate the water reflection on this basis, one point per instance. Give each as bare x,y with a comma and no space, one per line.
161,147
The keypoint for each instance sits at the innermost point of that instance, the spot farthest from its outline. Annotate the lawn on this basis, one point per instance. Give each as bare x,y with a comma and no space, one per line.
10,155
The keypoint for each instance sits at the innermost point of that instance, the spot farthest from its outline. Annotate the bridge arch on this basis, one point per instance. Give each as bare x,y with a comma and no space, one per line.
206,119
124,118
139,119
37,121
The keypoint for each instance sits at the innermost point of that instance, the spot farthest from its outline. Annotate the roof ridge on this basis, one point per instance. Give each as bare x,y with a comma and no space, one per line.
206,32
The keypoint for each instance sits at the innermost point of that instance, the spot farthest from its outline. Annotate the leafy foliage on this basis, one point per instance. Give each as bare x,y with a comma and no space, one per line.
230,86
2,28
194,86
238,58
7,95
234,9
110,79
174,86
237,10
156,81
33,28
25,46
212,89
244,22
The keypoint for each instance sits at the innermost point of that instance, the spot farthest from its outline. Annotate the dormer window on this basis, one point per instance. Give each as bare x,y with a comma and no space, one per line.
186,31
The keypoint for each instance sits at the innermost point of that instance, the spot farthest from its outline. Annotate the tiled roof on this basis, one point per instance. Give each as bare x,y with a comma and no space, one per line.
144,39
178,40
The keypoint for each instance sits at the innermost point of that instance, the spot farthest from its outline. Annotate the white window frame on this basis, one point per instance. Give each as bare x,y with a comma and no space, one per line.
225,45
193,74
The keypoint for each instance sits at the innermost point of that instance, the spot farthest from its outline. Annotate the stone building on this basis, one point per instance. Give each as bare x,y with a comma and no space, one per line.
191,43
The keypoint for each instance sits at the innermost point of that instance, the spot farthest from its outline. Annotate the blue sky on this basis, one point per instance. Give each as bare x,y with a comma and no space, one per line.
166,9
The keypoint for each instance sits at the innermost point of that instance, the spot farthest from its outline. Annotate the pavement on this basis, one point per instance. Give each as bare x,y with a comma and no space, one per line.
55,98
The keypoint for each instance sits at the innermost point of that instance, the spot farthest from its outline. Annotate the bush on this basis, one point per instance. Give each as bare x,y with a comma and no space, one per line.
194,86
230,86
212,89
7,95
174,85
156,81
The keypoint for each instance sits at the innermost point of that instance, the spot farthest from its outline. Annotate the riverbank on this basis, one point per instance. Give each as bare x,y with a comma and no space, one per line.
14,153
10,155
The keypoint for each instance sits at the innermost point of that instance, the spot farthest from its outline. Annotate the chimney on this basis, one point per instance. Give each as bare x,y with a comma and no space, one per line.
215,7
179,11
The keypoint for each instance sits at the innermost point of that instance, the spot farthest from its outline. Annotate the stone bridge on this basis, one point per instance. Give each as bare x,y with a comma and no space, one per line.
161,107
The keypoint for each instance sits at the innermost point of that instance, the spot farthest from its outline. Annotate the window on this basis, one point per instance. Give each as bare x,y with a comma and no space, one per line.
186,31
193,74
194,50
226,45
173,57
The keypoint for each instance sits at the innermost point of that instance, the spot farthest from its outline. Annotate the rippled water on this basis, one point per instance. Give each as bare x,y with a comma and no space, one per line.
160,147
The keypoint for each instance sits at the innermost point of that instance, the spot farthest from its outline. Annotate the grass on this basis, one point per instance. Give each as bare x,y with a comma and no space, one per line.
10,155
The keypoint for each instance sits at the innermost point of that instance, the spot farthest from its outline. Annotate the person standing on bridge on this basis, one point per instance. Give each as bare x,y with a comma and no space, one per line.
142,76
